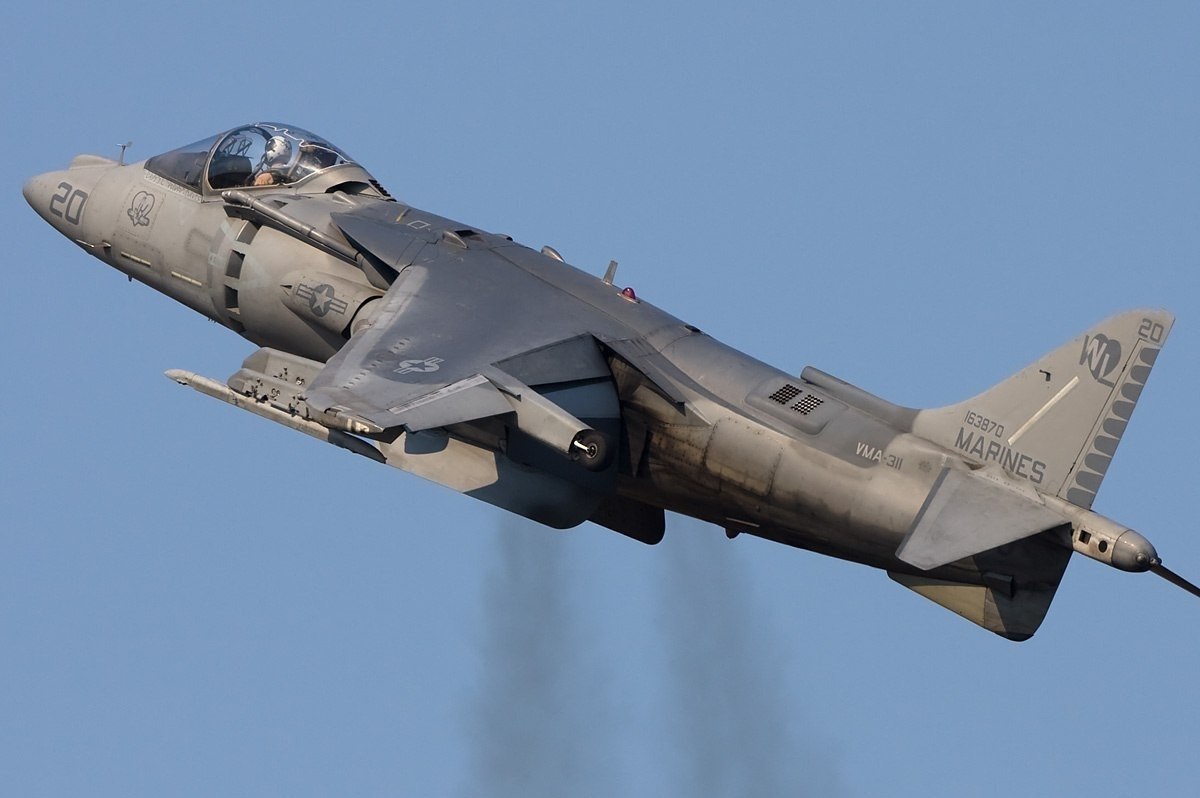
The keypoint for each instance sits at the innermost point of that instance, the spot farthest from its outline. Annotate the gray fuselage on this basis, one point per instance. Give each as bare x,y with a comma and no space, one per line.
751,448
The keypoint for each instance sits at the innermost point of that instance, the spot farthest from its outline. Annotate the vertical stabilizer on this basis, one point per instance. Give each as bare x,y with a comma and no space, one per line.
1057,422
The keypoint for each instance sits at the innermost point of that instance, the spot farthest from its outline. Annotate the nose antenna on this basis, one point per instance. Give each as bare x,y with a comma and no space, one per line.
121,158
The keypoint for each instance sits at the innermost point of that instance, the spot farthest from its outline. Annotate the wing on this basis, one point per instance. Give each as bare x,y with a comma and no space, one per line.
460,335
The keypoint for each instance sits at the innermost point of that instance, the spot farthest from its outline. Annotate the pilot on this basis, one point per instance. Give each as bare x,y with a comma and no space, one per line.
273,163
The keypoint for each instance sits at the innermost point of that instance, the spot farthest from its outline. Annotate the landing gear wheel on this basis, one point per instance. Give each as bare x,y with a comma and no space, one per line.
591,449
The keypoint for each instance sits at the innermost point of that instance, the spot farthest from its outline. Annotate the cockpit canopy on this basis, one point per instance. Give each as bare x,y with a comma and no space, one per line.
253,156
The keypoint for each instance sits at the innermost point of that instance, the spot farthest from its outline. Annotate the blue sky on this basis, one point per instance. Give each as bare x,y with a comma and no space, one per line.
919,198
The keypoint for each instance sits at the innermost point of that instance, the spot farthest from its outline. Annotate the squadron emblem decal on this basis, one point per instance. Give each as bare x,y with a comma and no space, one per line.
140,208
1102,355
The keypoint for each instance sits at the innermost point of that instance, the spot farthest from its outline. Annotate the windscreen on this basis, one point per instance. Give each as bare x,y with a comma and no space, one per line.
262,154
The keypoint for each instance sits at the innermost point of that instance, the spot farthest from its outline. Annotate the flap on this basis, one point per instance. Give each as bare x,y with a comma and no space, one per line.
466,400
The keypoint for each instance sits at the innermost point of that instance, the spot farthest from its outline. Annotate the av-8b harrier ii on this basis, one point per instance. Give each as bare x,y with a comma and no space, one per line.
508,375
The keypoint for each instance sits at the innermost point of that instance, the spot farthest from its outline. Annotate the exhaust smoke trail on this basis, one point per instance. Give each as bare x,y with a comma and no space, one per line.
717,715
731,713
535,711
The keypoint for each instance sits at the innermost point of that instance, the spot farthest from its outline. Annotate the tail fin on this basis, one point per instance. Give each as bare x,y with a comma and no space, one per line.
1057,422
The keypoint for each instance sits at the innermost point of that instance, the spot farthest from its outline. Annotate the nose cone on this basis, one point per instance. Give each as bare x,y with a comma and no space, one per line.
39,191
62,198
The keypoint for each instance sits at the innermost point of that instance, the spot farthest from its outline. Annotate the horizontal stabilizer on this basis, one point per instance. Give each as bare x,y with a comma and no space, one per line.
965,514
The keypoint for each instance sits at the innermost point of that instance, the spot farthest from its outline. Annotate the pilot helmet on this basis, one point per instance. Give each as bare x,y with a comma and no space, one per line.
278,151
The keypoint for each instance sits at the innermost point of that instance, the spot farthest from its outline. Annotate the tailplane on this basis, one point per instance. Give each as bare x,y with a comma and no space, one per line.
1013,593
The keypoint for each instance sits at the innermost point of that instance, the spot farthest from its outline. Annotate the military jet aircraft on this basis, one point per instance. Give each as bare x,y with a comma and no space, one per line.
511,376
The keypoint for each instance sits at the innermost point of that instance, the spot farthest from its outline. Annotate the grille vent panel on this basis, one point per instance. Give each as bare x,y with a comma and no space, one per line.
805,404
785,394
795,403
809,403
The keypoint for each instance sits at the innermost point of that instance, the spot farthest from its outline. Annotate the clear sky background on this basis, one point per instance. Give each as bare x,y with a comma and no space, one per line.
918,197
